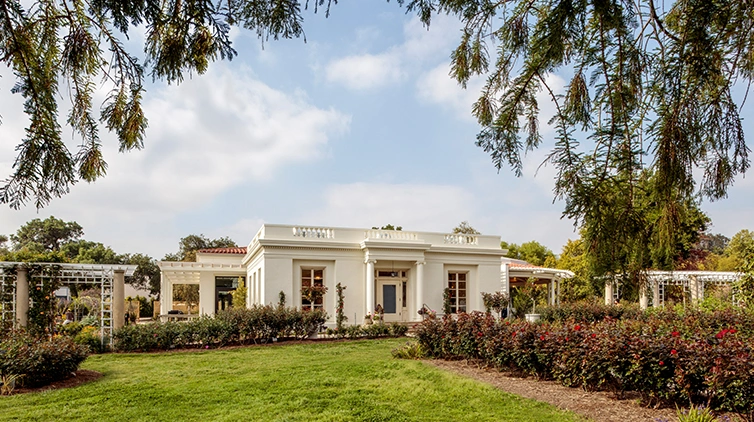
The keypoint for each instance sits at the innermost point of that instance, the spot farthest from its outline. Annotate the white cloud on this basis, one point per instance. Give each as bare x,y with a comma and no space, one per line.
437,87
421,207
205,136
367,71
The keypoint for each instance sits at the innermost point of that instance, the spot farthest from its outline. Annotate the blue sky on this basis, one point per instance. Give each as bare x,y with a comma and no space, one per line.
358,127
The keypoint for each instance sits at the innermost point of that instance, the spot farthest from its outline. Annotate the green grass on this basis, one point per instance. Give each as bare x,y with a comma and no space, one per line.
343,381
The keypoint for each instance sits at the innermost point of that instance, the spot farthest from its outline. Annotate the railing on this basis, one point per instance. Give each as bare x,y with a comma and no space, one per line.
461,239
314,232
390,235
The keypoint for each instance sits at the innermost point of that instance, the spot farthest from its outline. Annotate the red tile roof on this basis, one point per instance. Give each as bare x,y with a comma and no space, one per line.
238,250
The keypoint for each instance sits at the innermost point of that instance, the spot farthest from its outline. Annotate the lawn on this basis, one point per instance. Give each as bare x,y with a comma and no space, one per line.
329,381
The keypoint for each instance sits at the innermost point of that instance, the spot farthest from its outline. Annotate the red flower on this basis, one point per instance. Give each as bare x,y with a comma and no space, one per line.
542,338
577,328
514,334
662,363
675,334
673,352
479,334
567,339
732,331
594,335
721,334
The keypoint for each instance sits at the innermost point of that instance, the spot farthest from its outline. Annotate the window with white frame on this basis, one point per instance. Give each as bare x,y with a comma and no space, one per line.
457,290
312,288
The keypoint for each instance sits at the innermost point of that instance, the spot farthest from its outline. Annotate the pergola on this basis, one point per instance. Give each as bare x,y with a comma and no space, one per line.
516,273
111,278
199,273
657,281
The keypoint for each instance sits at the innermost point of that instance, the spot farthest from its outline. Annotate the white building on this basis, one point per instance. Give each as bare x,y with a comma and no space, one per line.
398,270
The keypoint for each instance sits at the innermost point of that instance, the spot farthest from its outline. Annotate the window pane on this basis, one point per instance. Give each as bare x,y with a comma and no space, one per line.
452,285
318,274
462,277
451,276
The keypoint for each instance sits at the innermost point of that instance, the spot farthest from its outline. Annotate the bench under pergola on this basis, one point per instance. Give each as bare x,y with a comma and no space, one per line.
16,277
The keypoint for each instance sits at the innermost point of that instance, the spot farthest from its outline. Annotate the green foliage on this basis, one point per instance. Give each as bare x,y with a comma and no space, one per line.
239,295
369,331
446,301
411,350
39,361
233,326
696,414
666,356
526,298
43,309
495,301
187,293
581,286
281,299
388,227
465,228
46,235
588,311
340,316
532,252
147,273
188,246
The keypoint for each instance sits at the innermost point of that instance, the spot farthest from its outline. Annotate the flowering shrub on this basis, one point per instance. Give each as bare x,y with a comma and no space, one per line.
233,326
36,362
369,331
695,357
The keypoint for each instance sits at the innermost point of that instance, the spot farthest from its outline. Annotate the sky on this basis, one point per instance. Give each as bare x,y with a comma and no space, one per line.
359,126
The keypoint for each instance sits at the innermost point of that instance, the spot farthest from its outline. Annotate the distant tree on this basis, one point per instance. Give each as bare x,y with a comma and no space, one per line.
714,243
88,252
734,256
188,246
3,241
388,227
573,258
187,293
46,235
147,273
239,295
532,252
465,228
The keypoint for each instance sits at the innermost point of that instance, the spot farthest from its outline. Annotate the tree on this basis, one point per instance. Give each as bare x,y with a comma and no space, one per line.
87,252
388,227
188,293
46,235
77,43
648,106
465,228
532,252
573,257
147,273
3,241
188,246
239,295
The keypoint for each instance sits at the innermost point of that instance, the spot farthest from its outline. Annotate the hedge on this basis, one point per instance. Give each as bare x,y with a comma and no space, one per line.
667,357
233,326
38,361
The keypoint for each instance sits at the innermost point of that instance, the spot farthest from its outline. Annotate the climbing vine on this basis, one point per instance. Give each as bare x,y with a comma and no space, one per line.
340,316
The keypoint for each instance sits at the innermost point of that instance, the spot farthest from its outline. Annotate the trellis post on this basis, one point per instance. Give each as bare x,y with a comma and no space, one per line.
119,298
22,296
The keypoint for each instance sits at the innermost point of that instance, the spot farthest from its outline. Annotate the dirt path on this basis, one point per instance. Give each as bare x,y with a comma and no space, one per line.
596,406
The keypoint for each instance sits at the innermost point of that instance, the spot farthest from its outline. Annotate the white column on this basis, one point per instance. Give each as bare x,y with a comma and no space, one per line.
557,299
119,299
655,293
22,297
643,296
370,286
163,294
609,292
419,288
697,290
552,292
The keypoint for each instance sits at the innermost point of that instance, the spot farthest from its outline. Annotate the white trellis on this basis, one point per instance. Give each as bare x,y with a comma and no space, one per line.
693,282
109,277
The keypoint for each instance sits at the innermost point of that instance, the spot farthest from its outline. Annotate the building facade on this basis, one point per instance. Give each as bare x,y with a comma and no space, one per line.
397,271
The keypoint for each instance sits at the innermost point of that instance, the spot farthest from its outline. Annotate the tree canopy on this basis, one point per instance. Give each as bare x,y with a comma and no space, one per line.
188,246
465,228
532,252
